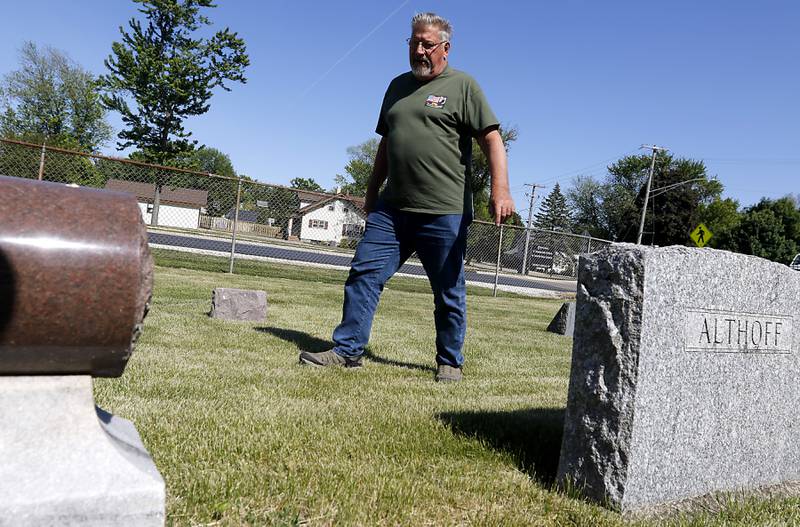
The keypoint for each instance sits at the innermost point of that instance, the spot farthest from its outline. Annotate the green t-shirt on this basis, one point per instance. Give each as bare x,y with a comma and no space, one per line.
428,128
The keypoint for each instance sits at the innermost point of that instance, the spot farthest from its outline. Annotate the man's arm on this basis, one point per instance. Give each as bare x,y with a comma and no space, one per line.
501,206
376,179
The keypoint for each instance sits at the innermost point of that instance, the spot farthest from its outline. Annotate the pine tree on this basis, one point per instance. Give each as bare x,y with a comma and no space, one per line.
554,214
169,75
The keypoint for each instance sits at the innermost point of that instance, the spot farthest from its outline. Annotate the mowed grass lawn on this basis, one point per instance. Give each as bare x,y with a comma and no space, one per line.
244,435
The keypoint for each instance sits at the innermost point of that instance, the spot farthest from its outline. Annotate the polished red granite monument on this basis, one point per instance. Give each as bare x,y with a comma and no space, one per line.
75,279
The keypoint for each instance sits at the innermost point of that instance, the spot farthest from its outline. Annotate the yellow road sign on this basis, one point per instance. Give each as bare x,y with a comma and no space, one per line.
700,235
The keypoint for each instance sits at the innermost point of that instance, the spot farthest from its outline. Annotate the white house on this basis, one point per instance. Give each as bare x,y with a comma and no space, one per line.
178,207
331,220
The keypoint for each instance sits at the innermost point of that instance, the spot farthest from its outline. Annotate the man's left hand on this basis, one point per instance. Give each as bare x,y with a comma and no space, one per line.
501,206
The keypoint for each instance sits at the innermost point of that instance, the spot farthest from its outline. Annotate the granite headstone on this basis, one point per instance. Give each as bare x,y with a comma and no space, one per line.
685,369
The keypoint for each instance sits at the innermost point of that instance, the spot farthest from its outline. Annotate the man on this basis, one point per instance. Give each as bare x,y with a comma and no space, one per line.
427,121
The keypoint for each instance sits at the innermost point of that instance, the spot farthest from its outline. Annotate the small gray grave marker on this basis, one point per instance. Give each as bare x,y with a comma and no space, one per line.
563,322
239,304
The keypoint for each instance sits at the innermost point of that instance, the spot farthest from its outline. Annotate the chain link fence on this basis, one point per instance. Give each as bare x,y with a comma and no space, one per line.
211,214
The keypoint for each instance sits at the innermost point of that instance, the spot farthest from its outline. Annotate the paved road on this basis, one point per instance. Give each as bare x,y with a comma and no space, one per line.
342,260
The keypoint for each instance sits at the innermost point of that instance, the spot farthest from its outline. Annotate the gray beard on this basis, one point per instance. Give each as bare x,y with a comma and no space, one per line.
420,69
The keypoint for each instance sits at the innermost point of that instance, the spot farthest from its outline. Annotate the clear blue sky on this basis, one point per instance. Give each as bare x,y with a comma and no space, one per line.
585,82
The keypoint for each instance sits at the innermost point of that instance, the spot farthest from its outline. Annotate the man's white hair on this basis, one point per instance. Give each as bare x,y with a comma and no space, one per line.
432,19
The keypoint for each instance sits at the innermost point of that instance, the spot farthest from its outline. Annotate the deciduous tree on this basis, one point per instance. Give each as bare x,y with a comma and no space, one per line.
212,161
359,168
306,184
51,98
770,229
721,217
611,208
221,192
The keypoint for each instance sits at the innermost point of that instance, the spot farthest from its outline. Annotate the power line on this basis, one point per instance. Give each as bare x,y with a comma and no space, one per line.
593,166
751,160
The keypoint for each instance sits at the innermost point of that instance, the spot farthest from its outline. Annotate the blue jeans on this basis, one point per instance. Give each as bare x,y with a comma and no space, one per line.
390,237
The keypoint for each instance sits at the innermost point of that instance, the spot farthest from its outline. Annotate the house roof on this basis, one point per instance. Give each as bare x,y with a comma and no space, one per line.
313,197
355,200
146,191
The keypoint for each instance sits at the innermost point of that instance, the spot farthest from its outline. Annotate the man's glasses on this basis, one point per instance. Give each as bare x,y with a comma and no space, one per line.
427,46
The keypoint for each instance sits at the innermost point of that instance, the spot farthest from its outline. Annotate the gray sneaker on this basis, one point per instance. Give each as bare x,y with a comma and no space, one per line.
445,373
329,358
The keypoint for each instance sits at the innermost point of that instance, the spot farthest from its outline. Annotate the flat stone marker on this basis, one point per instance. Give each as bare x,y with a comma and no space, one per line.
239,304
685,377
564,321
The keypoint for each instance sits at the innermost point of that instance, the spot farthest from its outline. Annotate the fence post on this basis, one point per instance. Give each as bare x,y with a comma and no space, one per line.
589,246
41,161
156,199
235,222
497,265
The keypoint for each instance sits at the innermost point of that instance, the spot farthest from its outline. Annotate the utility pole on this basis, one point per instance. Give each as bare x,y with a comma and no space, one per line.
655,150
533,186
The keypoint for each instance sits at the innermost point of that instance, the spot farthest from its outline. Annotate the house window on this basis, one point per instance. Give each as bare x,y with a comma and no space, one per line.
318,224
352,230
330,207
149,208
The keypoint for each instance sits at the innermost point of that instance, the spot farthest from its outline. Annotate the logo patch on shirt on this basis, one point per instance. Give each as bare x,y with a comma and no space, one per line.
435,101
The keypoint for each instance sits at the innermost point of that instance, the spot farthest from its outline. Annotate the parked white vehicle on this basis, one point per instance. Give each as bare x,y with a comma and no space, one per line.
795,263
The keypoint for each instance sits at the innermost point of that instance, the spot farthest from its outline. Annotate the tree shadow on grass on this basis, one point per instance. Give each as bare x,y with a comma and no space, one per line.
301,339
532,436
